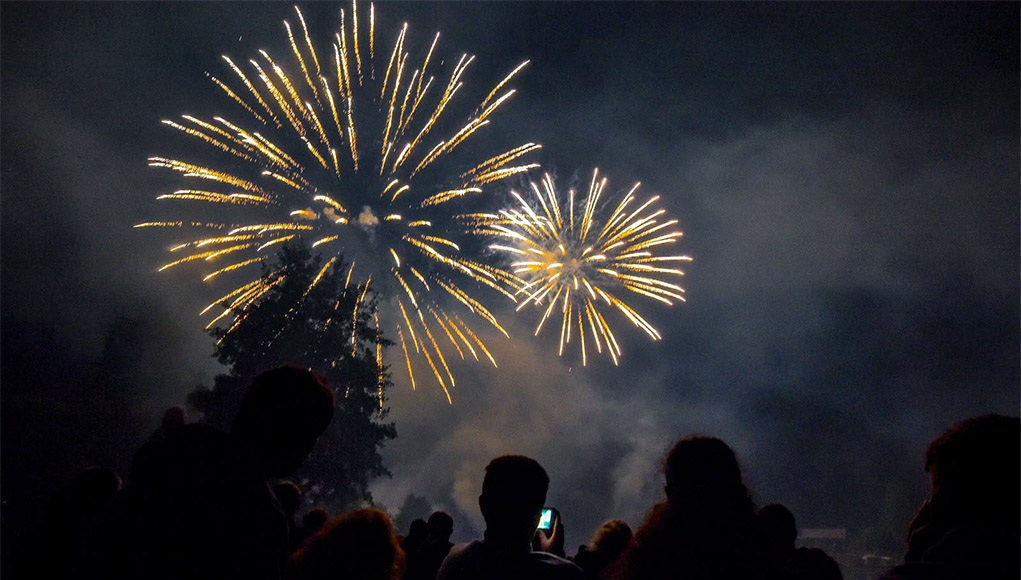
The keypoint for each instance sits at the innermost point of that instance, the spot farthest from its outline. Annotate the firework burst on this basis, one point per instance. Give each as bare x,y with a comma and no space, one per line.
335,152
573,261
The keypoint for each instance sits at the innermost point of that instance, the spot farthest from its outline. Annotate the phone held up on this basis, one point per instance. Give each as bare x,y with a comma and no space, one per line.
548,519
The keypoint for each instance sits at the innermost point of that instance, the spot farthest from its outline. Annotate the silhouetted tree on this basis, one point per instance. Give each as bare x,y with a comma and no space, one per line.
327,327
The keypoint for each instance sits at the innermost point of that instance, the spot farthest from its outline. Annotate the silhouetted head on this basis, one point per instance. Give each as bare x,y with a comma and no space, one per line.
974,467
611,538
281,416
704,529
775,529
175,416
289,496
314,519
417,533
417,530
441,526
700,466
513,493
361,544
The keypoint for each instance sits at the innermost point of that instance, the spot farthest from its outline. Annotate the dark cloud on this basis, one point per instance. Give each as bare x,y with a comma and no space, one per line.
846,176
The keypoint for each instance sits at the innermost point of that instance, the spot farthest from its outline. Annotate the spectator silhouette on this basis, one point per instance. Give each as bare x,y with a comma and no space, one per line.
313,520
607,545
513,493
289,497
361,545
417,532
198,504
425,562
705,527
969,526
174,417
775,535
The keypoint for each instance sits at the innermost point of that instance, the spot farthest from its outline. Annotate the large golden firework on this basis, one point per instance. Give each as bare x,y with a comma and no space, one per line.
574,261
335,152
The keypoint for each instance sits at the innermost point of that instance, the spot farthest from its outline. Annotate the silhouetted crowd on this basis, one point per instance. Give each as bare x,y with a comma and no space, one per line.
201,503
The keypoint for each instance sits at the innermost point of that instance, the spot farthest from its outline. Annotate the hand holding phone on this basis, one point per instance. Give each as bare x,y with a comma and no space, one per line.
549,535
548,519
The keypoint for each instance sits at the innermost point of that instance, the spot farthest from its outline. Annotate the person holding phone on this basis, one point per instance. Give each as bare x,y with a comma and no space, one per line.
513,493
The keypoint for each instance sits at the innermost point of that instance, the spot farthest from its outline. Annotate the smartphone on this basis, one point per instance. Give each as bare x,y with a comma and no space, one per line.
548,519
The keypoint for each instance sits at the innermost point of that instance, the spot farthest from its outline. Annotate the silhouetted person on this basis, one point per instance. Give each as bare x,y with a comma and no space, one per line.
513,493
198,504
175,416
417,532
289,497
705,528
361,545
969,526
775,535
607,545
425,562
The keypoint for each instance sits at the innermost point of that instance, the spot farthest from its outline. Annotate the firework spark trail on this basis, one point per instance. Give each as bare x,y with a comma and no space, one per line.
331,153
581,262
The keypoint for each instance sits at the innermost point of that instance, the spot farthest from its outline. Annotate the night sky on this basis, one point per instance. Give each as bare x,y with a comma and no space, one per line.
846,176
